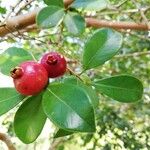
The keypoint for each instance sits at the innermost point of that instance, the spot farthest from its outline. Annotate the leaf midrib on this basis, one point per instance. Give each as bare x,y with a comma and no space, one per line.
52,14
115,87
73,23
9,98
102,46
67,105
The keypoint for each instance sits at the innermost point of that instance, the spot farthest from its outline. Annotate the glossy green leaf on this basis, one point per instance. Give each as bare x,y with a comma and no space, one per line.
12,57
30,119
9,98
54,2
61,133
89,90
122,88
90,4
69,107
74,23
50,16
101,47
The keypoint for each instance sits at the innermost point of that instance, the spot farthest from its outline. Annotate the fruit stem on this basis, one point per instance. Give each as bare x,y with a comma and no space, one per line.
82,72
73,73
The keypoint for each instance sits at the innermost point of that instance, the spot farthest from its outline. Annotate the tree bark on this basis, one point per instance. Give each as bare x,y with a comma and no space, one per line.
92,22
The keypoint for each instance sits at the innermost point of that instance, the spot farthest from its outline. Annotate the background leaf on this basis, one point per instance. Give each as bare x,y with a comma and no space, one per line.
122,88
101,47
9,98
2,10
68,107
29,119
50,16
3,59
54,2
74,23
90,4
12,57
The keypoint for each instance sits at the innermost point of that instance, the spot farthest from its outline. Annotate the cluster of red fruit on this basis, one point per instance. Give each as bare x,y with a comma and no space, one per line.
31,77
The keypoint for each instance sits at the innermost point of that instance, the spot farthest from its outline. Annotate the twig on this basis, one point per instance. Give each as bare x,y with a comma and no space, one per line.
136,35
112,12
121,3
142,14
7,141
12,10
56,143
73,73
24,6
133,54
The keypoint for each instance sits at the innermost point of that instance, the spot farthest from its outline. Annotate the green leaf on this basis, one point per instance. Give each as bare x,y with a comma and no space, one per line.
29,119
122,88
95,5
101,47
12,57
74,23
54,2
50,16
89,90
69,107
2,10
3,59
9,98
61,133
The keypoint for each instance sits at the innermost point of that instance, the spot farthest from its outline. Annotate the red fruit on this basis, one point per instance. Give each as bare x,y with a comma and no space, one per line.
29,78
54,63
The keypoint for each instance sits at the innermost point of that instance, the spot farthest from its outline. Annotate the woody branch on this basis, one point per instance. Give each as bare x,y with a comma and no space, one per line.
7,141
